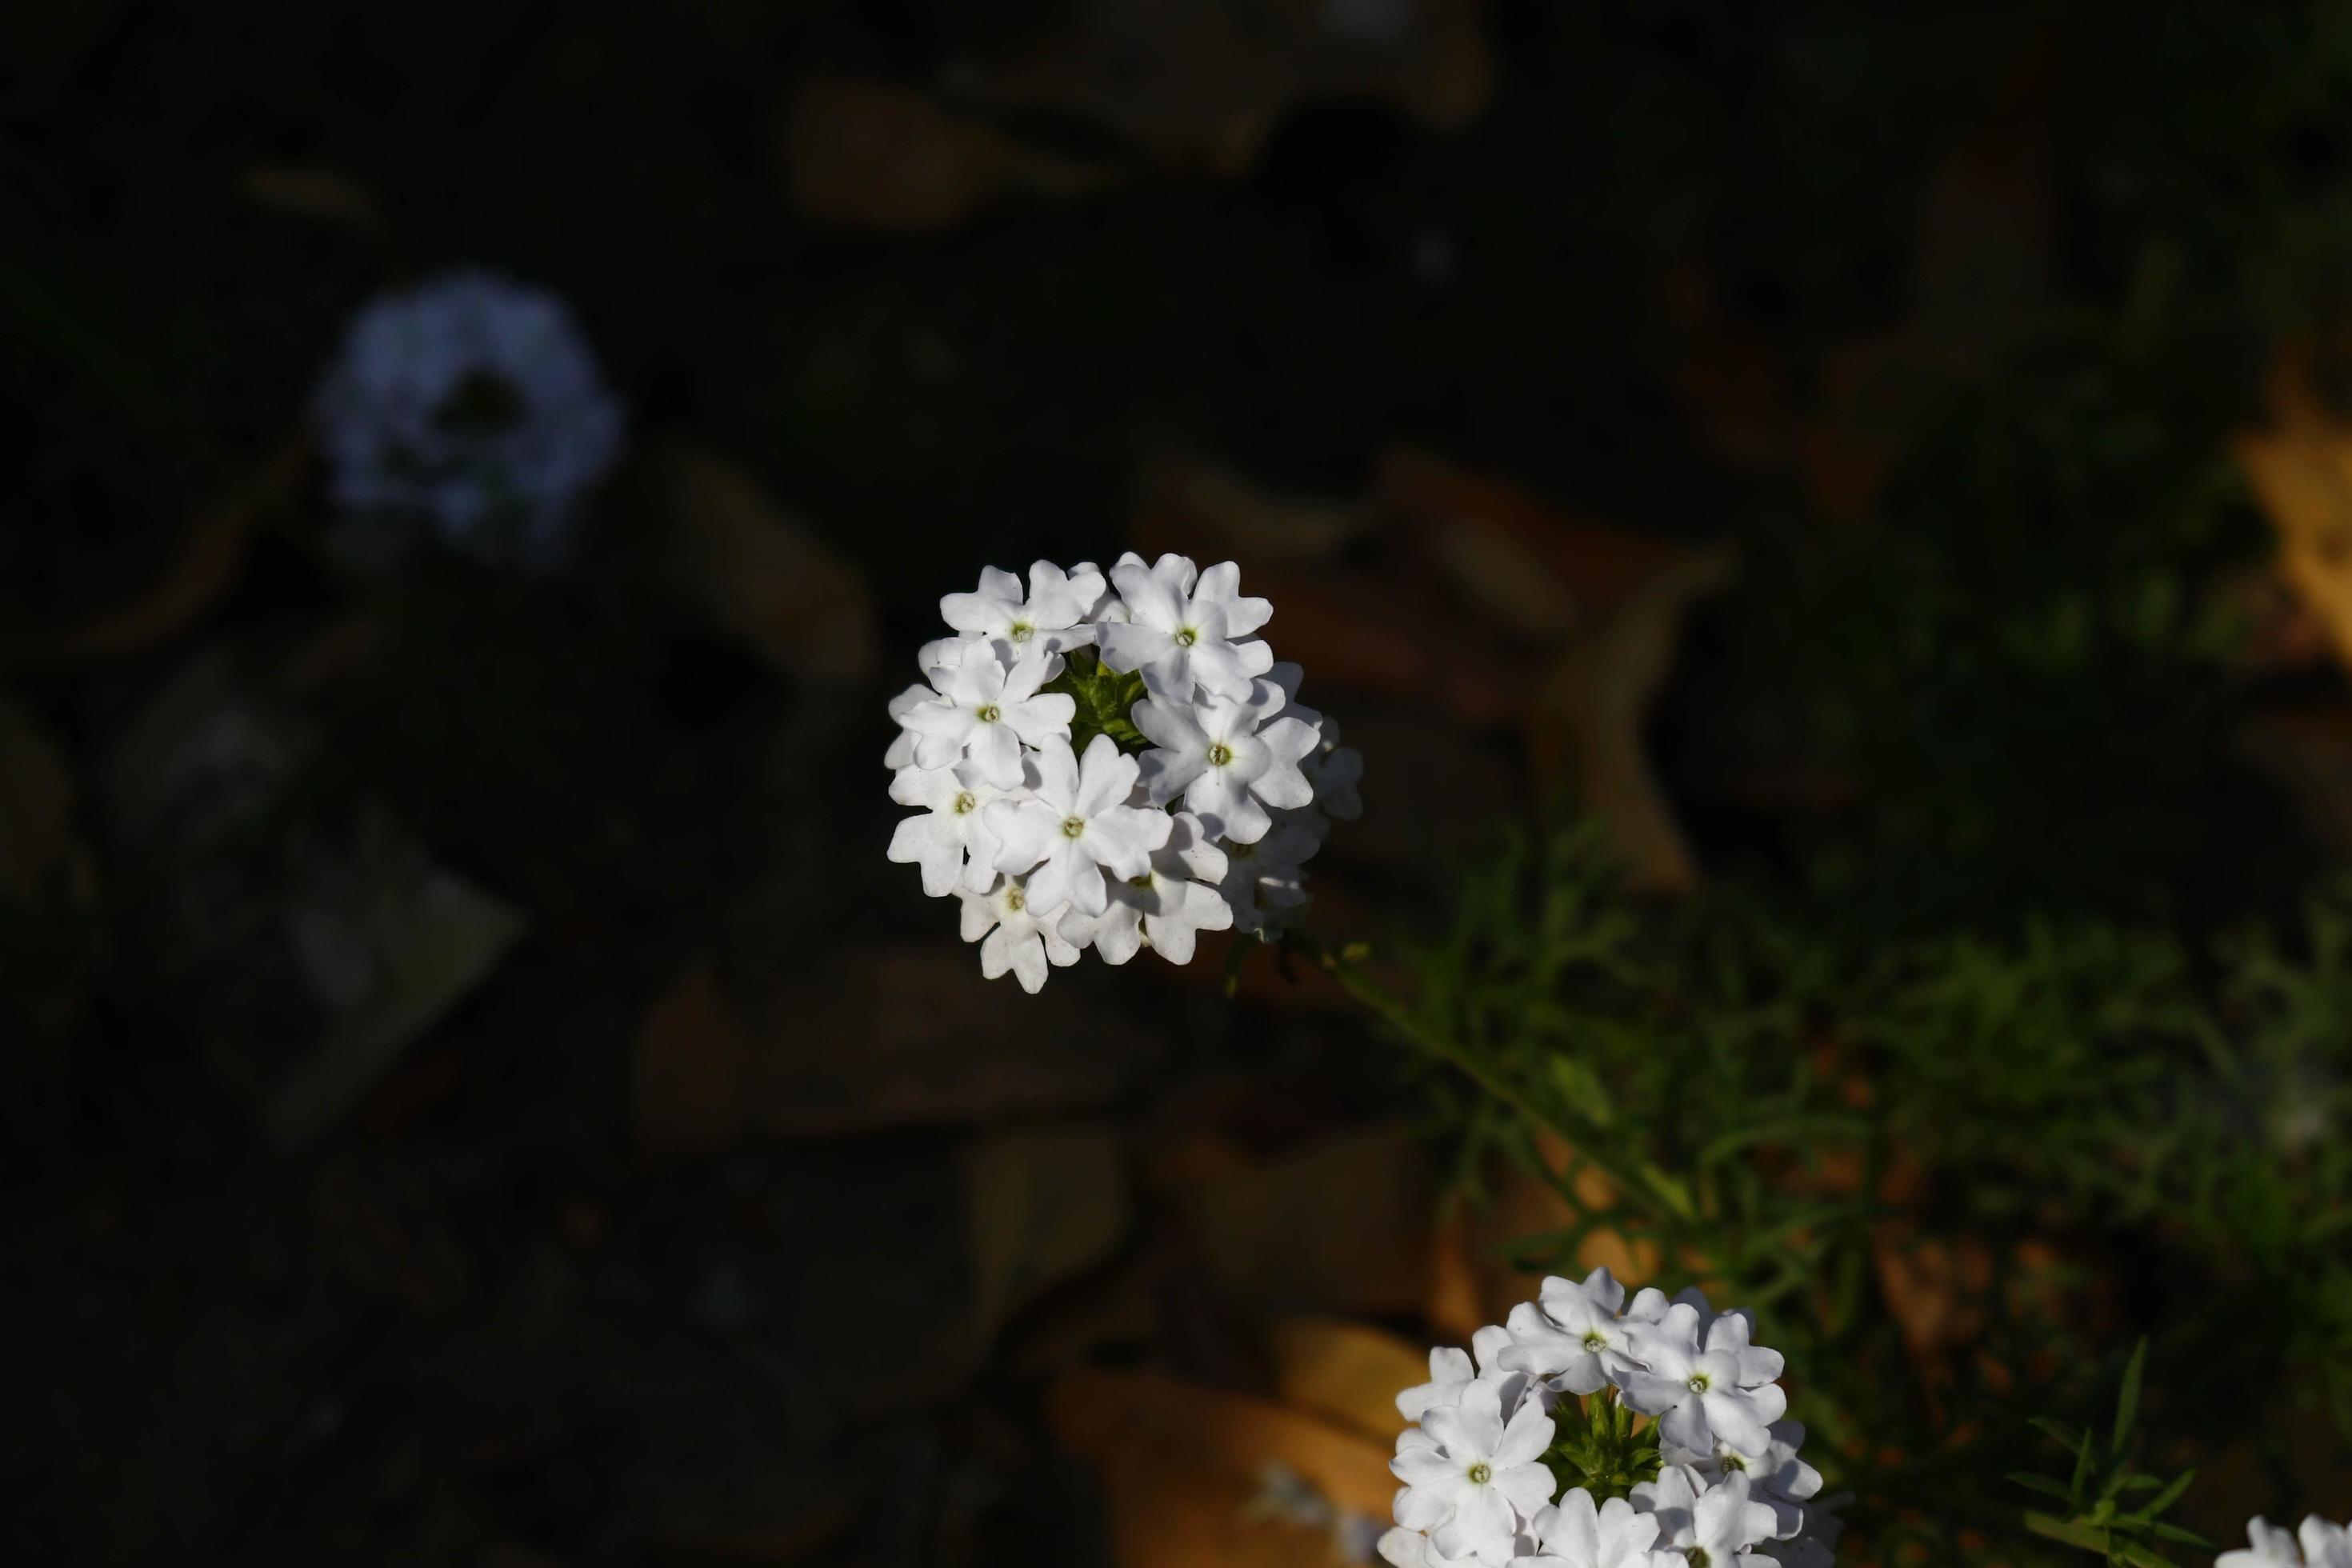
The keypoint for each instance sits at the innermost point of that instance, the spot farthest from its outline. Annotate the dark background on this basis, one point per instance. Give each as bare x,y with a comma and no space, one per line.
681,1193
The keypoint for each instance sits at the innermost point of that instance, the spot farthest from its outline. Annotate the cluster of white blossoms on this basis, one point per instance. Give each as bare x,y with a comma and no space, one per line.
1114,761
2318,1544
469,405
1548,1401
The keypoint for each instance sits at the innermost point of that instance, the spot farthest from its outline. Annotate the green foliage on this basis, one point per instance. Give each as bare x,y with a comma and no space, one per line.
1105,699
1794,1115
2096,1496
1609,1453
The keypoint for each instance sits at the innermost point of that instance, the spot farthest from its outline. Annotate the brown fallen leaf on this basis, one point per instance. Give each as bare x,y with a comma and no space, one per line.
208,562
1338,619
1200,87
1587,721
761,575
1041,1206
872,156
1347,1373
2301,471
1139,1425
1478,1283
719,1056
1608,604
1339,1226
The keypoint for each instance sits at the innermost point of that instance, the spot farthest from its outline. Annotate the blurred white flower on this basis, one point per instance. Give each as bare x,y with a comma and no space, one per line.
473,405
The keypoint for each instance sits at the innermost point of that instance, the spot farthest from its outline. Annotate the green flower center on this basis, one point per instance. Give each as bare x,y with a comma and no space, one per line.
1219,754
1697,1555
1240,851
989,714
1142,881
1186,637
1072,826
1700,1382
966,802
1481,1473
1594,1340
1015,901
1021,631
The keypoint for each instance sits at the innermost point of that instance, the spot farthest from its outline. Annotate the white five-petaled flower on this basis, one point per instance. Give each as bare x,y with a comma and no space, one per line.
1722,1387
1782,1479
1226,767
1012,936
1713,1526
1053,616
952,842
1574,1533
1208,832
1075,819
1477,1476
985,710
2323,1546
1451,1371
1182,630
1572,1338
1166,905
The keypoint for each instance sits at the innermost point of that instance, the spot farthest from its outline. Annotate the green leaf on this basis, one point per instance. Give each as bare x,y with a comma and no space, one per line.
2127,1402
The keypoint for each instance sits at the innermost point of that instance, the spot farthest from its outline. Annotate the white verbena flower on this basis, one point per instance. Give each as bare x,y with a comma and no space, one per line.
952,842
1010,935
1721,1387
1782,1479
471,404
985,710
1478,1475
1182,628
1572,1337
1214,755
1738,1495
1712,1525
1167,905
1053,616
1073,819
1451,1371
2322,1545
1208,829
1574,1533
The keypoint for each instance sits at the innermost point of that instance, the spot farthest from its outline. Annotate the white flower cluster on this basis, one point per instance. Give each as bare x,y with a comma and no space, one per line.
1479,1467
1198,790
2322,1545
470,404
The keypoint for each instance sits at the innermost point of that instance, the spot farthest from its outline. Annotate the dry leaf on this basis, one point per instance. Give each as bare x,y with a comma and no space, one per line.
2300,470
1200,86
208,564
1040,1208
1588,719
1139,1427
1342,1227
1479,1284
716,1057
1347,1373
758,572
869,155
